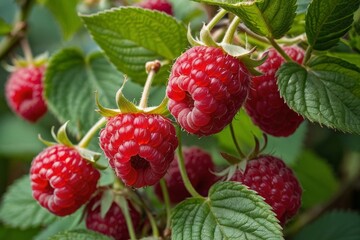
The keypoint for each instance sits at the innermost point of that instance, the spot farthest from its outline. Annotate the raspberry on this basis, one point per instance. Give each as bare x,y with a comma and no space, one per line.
274,181
198,165
24,92
264,104
114,223
206,89
159,5
140,147
61,180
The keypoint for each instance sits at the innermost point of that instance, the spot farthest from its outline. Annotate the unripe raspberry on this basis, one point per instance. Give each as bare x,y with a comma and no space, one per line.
61,180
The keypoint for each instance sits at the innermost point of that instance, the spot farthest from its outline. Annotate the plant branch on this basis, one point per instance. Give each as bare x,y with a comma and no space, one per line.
307,54
216,19
151,68
19,29
91,133
180,158
280,50
165,194
242,155
229,35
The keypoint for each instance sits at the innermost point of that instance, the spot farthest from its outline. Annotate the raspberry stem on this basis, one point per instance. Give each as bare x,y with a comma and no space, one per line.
165,194
216,19
27,51
151,68
125,209
181,162
242,155
307,54
91,133
280,50
229,34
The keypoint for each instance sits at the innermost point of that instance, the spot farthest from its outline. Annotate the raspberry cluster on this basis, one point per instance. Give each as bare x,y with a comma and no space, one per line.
159,5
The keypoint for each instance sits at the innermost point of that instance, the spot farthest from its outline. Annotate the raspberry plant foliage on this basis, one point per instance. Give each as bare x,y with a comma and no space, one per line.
126,41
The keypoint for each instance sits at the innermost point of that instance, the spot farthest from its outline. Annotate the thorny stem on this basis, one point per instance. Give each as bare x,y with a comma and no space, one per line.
242,155
151,68
280,50
180,158
165,194
229,35
91,133
19,29
216,19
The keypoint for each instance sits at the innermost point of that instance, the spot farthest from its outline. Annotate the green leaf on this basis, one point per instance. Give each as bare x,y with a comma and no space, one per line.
5,28
65,13
332,226
327,21
130,37
328,92
353,58
232,211
317,179
269,18
19,209
70,82
80,234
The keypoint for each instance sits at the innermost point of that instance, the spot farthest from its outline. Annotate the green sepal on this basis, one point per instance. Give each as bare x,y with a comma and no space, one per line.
251,64
105,112
88,155
206,38
107,199
193,42
62,136
161,109
236,51
40,60
123,103
47,143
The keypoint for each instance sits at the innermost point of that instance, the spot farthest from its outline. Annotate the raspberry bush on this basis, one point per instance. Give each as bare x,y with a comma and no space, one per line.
202,119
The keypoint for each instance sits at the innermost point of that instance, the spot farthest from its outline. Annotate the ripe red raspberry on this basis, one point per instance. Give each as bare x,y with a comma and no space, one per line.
159,5
199,167
206,89
24,92
274,181
140,147
264,104
61,180
114,223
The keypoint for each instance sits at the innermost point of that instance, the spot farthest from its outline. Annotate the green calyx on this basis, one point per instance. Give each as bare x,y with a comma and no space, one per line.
61,137
239,52
126,106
